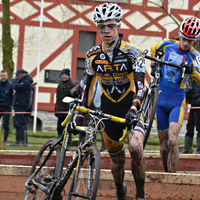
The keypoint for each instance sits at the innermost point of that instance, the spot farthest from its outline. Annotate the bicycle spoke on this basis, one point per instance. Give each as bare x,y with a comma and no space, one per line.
88,177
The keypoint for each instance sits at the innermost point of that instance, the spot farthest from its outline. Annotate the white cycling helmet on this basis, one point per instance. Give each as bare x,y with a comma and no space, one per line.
190,28
107,11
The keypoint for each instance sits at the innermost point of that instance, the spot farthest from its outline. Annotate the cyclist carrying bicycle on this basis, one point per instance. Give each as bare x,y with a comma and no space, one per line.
120,68
171,102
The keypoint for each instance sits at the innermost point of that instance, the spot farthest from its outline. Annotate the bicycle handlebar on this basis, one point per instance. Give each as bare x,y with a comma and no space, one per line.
109,117
163,61
99,114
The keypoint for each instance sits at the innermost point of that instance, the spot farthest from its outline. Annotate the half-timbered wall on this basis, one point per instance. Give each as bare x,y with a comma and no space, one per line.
143,24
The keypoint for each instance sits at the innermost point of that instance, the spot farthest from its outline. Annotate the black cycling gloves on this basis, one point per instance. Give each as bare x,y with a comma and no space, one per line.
78,122
131,118
188,68
75,94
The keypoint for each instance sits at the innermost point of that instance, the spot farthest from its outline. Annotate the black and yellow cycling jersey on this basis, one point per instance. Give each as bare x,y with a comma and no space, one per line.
121,81
120,77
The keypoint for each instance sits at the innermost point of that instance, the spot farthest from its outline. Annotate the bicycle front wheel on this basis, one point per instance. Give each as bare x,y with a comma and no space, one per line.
47,174
149,108
86,178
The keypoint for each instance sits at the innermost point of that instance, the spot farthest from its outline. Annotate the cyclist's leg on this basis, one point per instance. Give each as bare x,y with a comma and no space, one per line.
116,151
162,120
176,118
136,138
173,157
138,161
164,152
117,169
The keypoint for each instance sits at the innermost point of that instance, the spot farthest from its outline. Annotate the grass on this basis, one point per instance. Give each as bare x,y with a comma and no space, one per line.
36,140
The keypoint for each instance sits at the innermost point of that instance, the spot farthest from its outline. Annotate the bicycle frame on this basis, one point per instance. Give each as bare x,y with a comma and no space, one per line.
58,183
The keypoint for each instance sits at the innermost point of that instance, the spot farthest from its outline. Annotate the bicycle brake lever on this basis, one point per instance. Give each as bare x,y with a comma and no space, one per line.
183,74
145,52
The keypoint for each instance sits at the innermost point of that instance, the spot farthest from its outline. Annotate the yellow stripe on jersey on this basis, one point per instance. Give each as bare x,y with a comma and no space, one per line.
91,91
182,112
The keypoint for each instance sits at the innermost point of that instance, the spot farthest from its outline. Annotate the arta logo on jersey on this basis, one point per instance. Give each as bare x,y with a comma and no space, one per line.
112,68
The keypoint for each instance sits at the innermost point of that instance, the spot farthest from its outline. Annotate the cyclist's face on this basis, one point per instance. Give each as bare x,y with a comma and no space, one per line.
185,44
108,31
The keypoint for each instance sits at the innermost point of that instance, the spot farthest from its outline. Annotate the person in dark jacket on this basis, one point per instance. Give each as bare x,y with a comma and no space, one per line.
22,85
28,114
193,119
62,91
6,95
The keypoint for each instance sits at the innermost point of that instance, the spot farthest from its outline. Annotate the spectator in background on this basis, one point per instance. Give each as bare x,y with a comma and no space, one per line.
193,98
6,95
62,91
22,85
29,110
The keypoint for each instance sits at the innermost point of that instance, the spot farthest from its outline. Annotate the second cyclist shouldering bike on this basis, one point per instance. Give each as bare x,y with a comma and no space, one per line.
171,103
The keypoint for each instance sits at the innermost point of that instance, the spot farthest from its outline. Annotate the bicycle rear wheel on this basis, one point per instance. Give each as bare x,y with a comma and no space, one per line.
47,173
86,179
149,108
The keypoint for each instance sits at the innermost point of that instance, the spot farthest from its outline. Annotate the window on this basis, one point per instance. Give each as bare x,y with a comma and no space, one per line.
85,43
80,69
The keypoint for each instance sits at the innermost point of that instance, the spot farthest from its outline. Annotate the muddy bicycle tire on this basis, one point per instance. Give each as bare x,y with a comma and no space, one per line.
50,168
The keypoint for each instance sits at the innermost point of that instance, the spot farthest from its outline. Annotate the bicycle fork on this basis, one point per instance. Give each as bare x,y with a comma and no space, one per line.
90,176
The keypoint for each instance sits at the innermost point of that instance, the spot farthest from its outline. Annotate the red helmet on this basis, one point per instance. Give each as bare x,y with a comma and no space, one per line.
190,28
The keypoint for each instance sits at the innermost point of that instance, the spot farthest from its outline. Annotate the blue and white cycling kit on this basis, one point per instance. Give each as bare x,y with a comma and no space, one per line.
171,102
